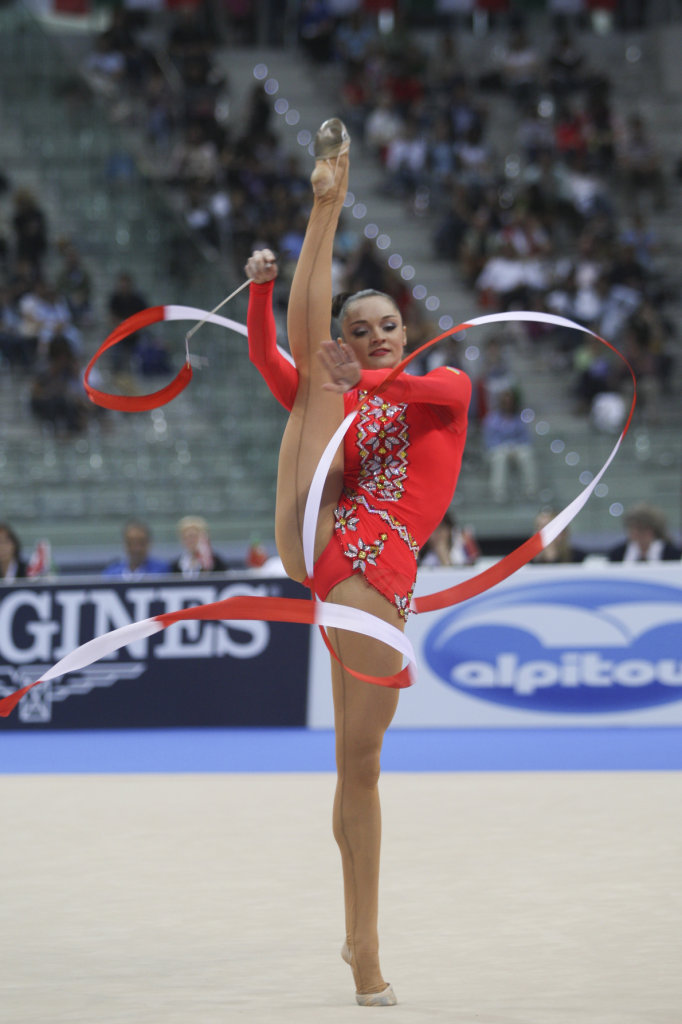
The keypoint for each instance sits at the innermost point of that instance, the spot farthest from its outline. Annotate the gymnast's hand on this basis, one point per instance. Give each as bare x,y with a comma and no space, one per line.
343,368
261,266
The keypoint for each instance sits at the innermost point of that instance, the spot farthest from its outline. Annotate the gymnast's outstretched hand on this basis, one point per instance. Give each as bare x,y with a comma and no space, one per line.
261,266
343,368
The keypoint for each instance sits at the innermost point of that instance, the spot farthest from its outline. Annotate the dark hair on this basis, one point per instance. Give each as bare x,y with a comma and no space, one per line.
647,517
343,300
137,524
6,528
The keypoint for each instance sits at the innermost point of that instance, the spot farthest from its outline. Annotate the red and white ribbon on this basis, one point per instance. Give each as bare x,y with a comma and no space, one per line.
145,318
320,613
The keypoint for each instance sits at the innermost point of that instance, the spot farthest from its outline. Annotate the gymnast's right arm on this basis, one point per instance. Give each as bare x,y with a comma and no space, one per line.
279,374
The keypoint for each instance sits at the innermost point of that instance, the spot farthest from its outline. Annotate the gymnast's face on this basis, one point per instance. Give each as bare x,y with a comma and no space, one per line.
374,329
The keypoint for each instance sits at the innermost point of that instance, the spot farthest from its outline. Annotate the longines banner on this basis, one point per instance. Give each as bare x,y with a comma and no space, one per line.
574,646
191,674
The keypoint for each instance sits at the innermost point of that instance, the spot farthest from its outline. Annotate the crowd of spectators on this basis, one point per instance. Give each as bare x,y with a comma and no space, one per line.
48,310
195,555
553,216
556,216
45,304
227,171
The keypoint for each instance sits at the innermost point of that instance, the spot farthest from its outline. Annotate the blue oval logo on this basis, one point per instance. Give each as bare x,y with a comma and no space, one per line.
574,646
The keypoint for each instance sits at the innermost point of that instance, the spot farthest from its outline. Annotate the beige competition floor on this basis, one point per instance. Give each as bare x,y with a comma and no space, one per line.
206,899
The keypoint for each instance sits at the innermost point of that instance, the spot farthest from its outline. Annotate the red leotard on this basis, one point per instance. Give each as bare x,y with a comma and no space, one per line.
402,457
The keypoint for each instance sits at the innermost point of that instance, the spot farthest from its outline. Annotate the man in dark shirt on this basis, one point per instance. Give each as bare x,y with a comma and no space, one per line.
125,301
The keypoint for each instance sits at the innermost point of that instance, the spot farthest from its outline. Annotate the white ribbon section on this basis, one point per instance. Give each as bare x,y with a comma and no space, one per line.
98,648
339,616
557,525
191,313
355,620
312,505
326,614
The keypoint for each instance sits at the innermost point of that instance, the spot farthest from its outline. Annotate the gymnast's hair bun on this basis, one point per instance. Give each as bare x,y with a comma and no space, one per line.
338,303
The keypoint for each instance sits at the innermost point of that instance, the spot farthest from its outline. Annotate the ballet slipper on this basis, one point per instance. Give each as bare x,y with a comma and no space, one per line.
331,141
386,997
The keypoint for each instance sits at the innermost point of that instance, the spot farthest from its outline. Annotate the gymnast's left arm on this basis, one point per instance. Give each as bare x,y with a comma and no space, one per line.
445,387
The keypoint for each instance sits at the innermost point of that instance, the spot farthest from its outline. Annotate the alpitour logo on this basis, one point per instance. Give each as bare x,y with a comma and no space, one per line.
576,646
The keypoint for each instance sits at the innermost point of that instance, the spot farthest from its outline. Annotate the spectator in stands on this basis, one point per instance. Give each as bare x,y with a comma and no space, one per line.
478,241
449,544
316,30
508,444
600,130
508,279
161,113
594,373
194,160
565,64
124,301
639,163
5,248
560,549
453,224
30,229
354,40
44,315
12,565
647,537
406,160
189,37
495,377
137,560
258,113
641,238
12,347
105,66
465,112
383,124
74,284
655,333
57,393
475,158
197,556
520,66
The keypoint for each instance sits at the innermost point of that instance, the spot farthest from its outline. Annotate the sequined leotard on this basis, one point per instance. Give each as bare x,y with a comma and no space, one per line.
402,457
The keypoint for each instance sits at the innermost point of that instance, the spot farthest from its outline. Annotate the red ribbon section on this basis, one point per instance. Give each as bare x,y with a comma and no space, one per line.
135,403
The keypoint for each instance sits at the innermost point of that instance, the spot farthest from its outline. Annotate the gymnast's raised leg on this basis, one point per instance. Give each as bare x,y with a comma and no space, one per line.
363,711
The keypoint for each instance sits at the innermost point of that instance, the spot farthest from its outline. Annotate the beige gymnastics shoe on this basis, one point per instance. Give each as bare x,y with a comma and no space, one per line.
331,141
386,997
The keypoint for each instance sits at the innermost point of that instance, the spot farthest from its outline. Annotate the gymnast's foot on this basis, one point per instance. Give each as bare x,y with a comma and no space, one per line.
384,997
331,145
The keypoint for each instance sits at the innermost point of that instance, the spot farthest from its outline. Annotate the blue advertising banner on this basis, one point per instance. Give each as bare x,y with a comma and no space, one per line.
191,674
586,645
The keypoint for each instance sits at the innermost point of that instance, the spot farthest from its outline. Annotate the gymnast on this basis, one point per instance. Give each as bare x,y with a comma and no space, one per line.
389,485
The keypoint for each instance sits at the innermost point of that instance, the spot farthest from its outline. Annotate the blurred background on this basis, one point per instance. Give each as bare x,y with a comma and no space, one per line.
506,156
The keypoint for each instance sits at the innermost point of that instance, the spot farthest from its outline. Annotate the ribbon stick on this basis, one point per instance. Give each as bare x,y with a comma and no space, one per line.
193,330
320,613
